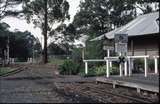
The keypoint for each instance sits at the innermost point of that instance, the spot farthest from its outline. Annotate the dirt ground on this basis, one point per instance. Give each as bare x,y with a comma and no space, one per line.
36,84
43,84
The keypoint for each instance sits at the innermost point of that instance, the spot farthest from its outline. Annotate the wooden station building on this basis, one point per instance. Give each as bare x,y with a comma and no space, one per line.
143,39
143,35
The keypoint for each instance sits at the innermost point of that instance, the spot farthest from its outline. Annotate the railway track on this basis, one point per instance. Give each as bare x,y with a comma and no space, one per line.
107,94
17,70
99,92
120,96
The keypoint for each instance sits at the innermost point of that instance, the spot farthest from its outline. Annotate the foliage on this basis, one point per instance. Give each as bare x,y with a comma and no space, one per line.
4,70
77,55
101,70
68,33
151,64
44,13
114,70
94,50
138,66
55,49
69,68
21,44
100,15
6,8
56,61
97,17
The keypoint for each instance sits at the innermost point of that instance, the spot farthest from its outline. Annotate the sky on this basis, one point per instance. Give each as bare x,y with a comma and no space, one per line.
21,25
17,24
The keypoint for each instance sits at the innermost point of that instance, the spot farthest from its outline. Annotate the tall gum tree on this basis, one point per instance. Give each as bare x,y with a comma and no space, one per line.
7,8
43,14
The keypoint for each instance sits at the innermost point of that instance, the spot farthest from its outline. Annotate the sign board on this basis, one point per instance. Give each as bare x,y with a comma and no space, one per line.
121,38
121,43
121,47
108,47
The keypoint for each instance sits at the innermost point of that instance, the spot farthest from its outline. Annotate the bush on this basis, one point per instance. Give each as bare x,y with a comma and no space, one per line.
77,55
151,64
101,70
69,68
138,66
114,70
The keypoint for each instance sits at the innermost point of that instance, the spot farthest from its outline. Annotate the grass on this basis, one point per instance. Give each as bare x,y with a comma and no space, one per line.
56,61
4,70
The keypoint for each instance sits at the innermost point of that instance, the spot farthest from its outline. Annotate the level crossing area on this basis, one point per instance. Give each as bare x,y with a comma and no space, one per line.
146,81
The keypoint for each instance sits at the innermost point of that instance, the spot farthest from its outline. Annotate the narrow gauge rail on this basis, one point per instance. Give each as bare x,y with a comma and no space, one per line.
100,93
17,70
107,95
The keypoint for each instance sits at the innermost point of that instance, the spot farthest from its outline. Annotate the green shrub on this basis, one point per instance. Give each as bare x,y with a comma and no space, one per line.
4,70
114,70
151,64
77,55
101,70
138,66
69,68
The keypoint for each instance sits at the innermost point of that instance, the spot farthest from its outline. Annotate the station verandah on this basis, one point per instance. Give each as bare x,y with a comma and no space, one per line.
142,44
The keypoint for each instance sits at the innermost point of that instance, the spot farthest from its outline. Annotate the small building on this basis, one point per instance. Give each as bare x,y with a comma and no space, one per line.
143,35
143,43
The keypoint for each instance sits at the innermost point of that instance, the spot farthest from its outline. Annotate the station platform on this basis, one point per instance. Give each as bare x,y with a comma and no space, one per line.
138,81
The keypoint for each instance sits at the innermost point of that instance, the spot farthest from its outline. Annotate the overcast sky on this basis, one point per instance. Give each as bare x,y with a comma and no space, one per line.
23,26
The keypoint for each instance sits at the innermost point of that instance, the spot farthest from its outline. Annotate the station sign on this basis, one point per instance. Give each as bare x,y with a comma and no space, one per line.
121,38
108,45
121,41
121,47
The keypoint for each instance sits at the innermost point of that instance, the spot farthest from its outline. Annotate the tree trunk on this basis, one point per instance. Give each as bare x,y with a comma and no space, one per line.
7,61
45,55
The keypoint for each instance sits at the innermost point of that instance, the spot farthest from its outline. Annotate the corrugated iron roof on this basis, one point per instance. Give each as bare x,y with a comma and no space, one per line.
142,25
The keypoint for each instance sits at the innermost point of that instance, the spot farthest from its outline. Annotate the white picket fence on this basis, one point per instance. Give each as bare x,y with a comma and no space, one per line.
109,61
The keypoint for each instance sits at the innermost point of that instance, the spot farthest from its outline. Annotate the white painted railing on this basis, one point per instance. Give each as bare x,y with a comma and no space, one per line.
145,63
109,60
156,63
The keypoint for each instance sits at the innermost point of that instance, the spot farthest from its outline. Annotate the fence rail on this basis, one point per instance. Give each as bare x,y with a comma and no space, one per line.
127,64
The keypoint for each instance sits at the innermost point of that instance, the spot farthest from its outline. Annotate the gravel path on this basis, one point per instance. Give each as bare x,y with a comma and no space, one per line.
41,84
34,85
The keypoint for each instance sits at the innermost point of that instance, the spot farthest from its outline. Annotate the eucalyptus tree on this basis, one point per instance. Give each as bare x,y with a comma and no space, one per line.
97,17
44,14
22,44
7,8
4,42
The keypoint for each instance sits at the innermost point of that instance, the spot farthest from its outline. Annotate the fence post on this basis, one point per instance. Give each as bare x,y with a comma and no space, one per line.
86,67
125,68
110,64
145,66
108,53
107,66
155,64
120,69
129,65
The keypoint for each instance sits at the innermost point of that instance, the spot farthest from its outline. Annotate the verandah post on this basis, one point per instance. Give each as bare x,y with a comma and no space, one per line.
107,68
156,64
86,67
145,66
125,68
